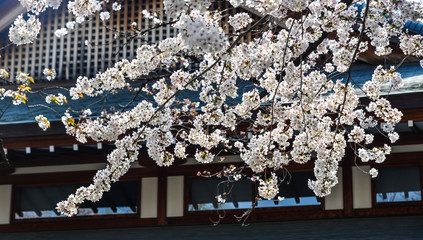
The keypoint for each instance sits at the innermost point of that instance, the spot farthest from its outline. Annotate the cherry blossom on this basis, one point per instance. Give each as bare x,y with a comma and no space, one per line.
43,122
277,91
24,31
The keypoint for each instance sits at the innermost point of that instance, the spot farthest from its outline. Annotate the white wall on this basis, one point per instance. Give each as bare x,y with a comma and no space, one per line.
362,187
175,196
149,197
335,200
5,201
407,148
60,168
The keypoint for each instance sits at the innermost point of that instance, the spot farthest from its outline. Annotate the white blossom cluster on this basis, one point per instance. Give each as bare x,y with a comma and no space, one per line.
38,6
43,122
152,16
82,9
175,8
374,154
115,77
110,126
23,78
268,188
157,141
119,162
200,33
239,20
24,31
380,76
60,99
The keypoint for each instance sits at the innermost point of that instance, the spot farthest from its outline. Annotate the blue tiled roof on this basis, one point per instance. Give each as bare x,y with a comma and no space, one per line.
363,72
413,27
412,73
20,113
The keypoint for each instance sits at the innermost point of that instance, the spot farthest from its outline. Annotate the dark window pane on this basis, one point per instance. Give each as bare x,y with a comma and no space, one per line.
398,184
40,202
121,199
203,192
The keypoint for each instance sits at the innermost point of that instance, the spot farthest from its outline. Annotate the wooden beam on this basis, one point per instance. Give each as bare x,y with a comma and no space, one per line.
347,184
415,114
162,196
69,177
40,141
414,127
40,157
88,222
406,138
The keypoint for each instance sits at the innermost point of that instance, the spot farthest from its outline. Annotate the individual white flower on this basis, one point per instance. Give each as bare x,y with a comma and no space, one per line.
373,172
368,139
88,44
43,122
87,112
393,137
70,25
60,32
4,73
363,154
204,156
104,16
116,6
49,73
220,199
79,19
146,13
356,135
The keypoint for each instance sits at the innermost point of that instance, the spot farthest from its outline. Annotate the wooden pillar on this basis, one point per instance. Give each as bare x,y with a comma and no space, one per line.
347,184
162,196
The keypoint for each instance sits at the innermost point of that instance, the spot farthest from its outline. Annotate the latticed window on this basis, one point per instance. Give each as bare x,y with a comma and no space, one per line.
69,55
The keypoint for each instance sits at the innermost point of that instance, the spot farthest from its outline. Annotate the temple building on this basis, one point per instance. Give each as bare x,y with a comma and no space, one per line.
40,168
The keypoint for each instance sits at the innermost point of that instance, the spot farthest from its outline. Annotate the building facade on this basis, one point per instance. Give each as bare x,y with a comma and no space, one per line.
45,167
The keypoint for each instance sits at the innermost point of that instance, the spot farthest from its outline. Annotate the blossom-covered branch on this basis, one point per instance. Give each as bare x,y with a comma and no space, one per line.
283,72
